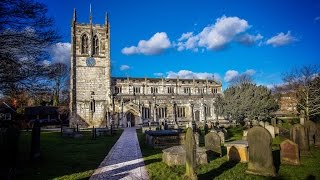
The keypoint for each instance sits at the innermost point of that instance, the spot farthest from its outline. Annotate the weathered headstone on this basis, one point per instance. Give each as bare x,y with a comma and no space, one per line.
196,138
213,142
261,123
222,136
190,147
255,122
260,152
274,122
271,130
266,123
289,152
35,141
299,135
312,129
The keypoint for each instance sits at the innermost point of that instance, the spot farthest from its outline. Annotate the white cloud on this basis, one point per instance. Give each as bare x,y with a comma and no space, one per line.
231,74
281,39
185,36
158,43
124,67
215,36
60,53
186,74
158,74
248,39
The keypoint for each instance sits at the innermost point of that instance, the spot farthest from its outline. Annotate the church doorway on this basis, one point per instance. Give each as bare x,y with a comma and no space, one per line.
131,118
197,116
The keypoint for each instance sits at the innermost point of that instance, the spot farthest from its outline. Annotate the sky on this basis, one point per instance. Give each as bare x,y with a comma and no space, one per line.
199,38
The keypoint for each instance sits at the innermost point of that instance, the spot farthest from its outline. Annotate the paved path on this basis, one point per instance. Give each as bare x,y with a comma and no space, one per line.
124,161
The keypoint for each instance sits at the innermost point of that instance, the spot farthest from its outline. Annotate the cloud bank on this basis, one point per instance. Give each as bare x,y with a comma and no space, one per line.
281,39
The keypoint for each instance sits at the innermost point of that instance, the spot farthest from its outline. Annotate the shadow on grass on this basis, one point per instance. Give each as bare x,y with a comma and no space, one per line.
276,159
150,161
218,171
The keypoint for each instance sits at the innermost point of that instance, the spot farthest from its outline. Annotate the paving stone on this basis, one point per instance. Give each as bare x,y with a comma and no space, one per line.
124,161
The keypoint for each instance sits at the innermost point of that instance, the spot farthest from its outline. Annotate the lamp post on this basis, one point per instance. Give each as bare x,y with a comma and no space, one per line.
174,110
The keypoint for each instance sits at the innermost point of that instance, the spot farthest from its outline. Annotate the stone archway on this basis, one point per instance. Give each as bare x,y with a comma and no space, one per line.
131,118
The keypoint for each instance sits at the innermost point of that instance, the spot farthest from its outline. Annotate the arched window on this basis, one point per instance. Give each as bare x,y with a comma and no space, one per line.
84,44
95,45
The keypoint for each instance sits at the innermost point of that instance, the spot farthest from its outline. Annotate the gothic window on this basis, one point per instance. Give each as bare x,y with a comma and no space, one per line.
84,44
200,90
95,45
118,89
214,90
208,111
187,90
154,90
162,112
181,112
136,90
145,113
170,90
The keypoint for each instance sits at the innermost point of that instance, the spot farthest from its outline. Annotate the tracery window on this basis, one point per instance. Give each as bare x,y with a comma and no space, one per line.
84,44
95,45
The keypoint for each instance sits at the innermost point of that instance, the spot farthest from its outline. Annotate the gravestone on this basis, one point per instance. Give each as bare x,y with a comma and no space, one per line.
261,123
213,143
196,138
260,152
190,148
271,130
312,129
222,136
276,131
255,122
274,122
289,152
299,135
244,135
266,123
35,141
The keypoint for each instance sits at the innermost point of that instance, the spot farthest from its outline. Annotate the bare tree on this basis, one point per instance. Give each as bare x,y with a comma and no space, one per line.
25,34
58,73
303,82
241,80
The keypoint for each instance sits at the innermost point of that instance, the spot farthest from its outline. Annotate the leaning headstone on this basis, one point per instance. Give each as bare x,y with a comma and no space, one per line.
213,143
190,147
312,129
260,152
271,130
289,152
274,122
302,117
299,135
35,141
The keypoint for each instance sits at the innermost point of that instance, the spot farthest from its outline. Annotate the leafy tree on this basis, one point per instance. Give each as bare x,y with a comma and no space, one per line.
25,34
304,83
248,101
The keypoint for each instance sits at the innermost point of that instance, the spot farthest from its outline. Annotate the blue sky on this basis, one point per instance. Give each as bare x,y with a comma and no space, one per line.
189,38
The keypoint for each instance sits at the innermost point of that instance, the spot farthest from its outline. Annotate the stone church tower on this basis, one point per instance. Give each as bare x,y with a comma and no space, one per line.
90,73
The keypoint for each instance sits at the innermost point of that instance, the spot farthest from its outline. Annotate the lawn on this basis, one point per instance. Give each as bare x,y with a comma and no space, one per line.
63,157
220,168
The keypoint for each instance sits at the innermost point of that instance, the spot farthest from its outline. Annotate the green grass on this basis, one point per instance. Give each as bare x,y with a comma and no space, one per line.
220,168
63,157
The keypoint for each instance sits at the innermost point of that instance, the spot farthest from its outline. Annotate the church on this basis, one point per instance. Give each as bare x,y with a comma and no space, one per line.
99,100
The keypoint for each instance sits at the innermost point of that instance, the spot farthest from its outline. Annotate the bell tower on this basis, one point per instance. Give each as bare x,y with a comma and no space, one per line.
90,82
